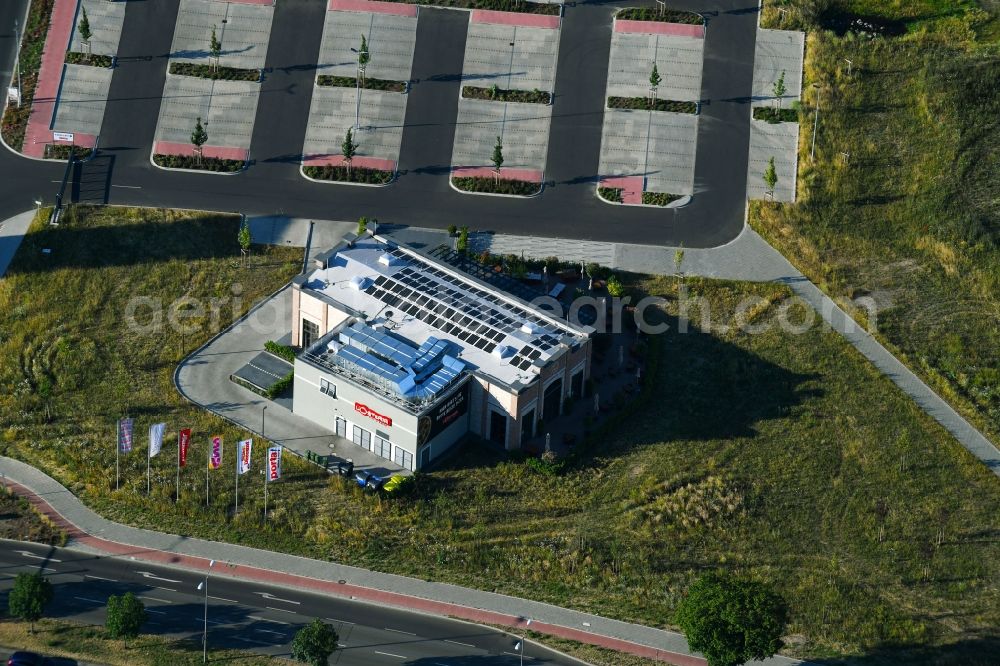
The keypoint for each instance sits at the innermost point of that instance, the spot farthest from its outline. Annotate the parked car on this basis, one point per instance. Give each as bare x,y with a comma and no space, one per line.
27,659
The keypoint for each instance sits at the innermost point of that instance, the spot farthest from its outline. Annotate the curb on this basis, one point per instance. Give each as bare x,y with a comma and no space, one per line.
302,172
541,188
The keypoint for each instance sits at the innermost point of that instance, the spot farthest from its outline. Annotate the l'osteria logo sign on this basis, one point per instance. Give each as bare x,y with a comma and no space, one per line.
365,410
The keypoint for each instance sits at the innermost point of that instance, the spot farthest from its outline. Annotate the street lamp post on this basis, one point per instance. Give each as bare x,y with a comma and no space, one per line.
357,92
524,638
204,632
17,59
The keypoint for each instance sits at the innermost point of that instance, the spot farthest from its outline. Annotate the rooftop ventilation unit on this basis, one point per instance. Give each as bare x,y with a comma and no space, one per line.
390,260
529,328
504,351
359,283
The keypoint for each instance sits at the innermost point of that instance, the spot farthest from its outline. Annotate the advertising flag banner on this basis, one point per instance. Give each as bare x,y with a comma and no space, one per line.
244,464
274,463
125,435
156,438
215,453
183,441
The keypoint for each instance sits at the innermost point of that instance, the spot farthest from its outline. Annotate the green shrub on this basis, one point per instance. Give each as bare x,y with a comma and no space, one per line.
643,103
654,14
281,351
493,186
353,175
214,73
193,162
368,83
501,95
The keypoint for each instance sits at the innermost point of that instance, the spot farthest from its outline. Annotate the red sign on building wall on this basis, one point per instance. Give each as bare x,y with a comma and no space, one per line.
365,410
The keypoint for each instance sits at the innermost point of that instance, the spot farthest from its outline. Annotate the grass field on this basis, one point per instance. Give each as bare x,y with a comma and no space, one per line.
780,456
911,219
59,638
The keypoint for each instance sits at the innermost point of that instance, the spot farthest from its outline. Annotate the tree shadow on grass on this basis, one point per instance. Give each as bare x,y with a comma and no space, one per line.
974,651
71,246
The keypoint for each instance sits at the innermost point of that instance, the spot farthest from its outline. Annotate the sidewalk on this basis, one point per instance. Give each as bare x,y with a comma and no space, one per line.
91,532
11,234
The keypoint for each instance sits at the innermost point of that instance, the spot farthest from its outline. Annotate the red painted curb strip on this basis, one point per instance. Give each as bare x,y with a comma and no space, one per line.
529,175
515,18
373,6
187,150
420,604
358,161
660,28
631,187
43,105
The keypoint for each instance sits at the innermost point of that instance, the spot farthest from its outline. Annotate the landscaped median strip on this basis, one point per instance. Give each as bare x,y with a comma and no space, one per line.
498,94
367,83
485,180
214,73
643,103
250,564
172,155
363,170
653,21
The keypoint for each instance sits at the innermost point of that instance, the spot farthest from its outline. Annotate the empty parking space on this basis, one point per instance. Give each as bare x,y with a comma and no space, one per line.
226,108
511,57
778,51
678,60
242,29
106,20
333,112
780,141
657,146
82,98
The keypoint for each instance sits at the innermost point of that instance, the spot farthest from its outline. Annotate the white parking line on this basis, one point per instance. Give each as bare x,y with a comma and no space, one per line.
389,654
398,631
266,619
93,601
162,601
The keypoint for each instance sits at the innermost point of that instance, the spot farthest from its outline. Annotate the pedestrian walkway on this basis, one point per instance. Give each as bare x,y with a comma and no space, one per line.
91,532
11,234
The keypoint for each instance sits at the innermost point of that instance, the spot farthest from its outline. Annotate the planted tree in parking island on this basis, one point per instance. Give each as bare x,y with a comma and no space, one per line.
348,149
198,138
497,158
245,239
215,49
731,621
84,29
779,90
770,177
314,643
125,616
29,597
654,84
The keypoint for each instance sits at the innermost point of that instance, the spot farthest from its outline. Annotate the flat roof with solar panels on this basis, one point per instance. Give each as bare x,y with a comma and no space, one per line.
419,324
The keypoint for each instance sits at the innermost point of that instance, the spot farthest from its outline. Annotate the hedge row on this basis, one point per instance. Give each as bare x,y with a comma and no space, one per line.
203,164
354,175
501,95
642,103
663,16
493,186
368,83
612,194
659,198
77,58
773,115
215,73
495,5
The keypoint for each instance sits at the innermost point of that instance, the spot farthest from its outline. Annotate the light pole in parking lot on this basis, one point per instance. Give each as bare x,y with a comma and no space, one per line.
521,643
203,585
17,59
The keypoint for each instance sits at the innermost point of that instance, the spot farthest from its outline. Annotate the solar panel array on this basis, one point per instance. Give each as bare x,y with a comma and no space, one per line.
449,304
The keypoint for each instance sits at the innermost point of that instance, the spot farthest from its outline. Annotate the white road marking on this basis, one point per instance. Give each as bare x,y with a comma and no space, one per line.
36,557
128,187
164,601
398,631
333,619
283,610
389,654
218,622
168,589
459,643
146,574
156,612
232,601
93,601
271,597
265,619
269,631
110,580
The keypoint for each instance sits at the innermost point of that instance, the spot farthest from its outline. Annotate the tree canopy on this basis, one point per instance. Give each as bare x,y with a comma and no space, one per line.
29,597
126,615
314,643
731,620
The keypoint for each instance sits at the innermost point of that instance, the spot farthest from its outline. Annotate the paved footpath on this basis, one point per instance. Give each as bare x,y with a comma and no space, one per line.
91,532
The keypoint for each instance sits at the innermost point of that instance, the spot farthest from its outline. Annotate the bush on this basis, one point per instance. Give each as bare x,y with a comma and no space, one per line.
501,95
214,73
495,5
492,185
280,386
643,103
612,194
659,198
367,83
615,286
76,58
773,115
654,14
280,350
204,164
59,151
341,174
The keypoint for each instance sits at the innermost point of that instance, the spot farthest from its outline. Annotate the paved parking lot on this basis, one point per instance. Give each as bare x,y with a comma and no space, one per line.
512,57
678,60
227,110
106,20
82,98
778,51
243,29
391,38
780,141
524,129
656,145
